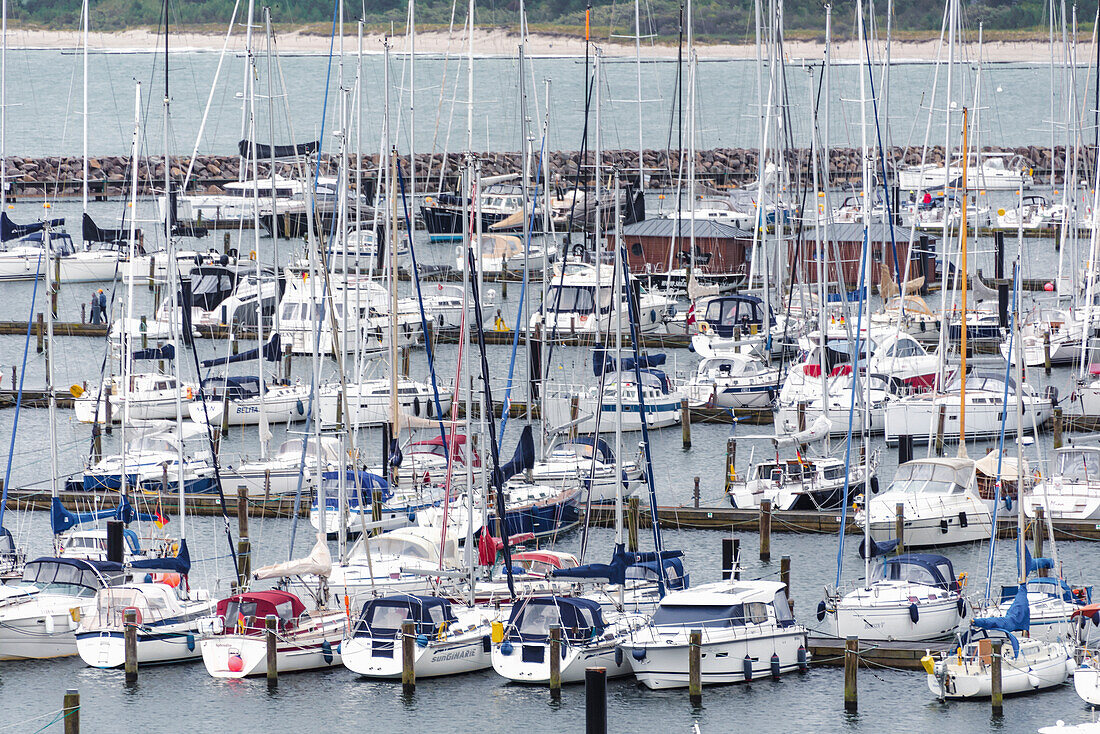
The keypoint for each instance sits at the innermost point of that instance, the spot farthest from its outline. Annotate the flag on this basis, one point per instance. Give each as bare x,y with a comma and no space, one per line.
240,620
160,520
691,315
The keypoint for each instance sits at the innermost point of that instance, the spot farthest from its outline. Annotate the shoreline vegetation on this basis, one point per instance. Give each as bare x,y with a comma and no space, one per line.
1003,47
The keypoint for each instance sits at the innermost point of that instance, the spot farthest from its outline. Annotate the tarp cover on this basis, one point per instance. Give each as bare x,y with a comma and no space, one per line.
180,563
1016,619
62,519
317,563
878,549
168,351
263,152
603,362
9,230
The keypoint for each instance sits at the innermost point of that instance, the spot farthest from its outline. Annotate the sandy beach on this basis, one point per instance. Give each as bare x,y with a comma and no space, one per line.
502,42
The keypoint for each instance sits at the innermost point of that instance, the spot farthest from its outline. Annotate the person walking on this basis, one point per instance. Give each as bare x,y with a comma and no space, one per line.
95,308
103,305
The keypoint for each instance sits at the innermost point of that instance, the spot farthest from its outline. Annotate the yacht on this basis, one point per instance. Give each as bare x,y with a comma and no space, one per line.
240,400
445,216
570,305
589,460
747,628
279,474
500,254
803,483
732,380
990,171
1033,212
369,401
578,406
1071,489
144,396
238,202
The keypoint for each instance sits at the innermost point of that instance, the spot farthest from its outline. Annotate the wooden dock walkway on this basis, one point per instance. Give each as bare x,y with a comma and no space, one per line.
881,653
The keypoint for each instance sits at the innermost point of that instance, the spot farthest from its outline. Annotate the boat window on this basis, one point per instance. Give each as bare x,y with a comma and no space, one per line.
1079,466
398,547
783,613
909,572
909,348
834,472
285,611
388,617
578,299
537,619
234,610
756,612
702,615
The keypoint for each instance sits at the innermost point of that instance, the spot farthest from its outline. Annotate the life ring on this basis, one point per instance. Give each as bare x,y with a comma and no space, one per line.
578,250
442,633
137,614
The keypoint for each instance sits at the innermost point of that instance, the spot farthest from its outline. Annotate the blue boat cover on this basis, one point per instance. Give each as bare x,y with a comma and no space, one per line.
180,564
427,612
603,362
878,549
167,351
271,353
1016,619
621,559
522,460
580,619
62,519
939,567
243,386
9,230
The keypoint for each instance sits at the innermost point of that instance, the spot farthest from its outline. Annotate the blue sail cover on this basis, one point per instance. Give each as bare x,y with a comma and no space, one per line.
1035,564
168,351
878,549
9,230
271,353
180,564
522,460
603,362
621,559
62,519
1017,618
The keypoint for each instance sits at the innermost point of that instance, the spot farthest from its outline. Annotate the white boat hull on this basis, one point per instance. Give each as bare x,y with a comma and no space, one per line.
666,666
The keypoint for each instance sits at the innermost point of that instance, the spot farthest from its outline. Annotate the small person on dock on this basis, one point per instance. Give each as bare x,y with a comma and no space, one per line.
103,305
96,316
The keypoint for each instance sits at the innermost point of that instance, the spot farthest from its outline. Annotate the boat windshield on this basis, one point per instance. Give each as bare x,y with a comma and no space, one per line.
909,572
62,578
1079,466
701,615
571,298
928,479
400,547
111,603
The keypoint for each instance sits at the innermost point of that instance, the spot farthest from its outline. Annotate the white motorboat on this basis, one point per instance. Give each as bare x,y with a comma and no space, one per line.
747,628
279,474
26,259
912,597
990,171
240,400
500,254
1071,490
733,380
941,502
369,403
918,415
521,646
167,617
579,405
803,483
151,396
570,306
238,201
449,639
40,613
590,461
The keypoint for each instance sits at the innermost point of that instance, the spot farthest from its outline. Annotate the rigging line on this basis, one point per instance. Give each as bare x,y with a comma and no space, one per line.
19,398
522,295
852,412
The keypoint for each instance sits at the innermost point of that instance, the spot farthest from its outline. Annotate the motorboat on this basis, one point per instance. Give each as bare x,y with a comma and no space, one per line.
804,483
239,202
1033,212
741,322
40,613
167,617
747,629
1071,489
733,380
243,400
446,216
590,461
910,597
499,254
589,637
940,500
986,414
450,639
149,458
1056,336
27,259
142,396
369,401
280,473
570,305
989,171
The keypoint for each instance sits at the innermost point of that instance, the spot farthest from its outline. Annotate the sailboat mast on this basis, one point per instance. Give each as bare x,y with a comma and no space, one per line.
964,285
250,95
3,104
84,155
865,267
638,69
617,289
412,102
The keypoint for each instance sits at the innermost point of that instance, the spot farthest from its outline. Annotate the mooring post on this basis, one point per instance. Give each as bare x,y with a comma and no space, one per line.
408,670
633,519
271,624
851,665
1040,514
997,695
727,558
695,665
39,329
72,711
595,701
731,458
129,641
1058,428
736,559
905,448
555,662
376,510
286,362
244,545
940,420
765,530
802,415
695,492
1046,352
899,526
785,574
685,422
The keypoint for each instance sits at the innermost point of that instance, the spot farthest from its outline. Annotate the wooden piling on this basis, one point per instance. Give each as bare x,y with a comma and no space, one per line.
851,665
695,492
595,701
244,545
695,668
225,243
39,331
685,422
555,662
731,460
1058,427
802,416
1046,352
997,698
71,709
727,558
376,509
633,519
765,530
405,361
408,670
899,525
785,573
129,640
152,273
271,624
286,363
574,413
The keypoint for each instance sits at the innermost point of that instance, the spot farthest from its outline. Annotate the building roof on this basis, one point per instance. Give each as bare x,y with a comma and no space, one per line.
704,229
878,232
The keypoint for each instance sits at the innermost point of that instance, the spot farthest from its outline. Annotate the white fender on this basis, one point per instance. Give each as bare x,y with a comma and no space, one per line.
49,624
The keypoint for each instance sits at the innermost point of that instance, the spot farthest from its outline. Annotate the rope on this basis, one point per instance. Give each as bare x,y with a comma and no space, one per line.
61,713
